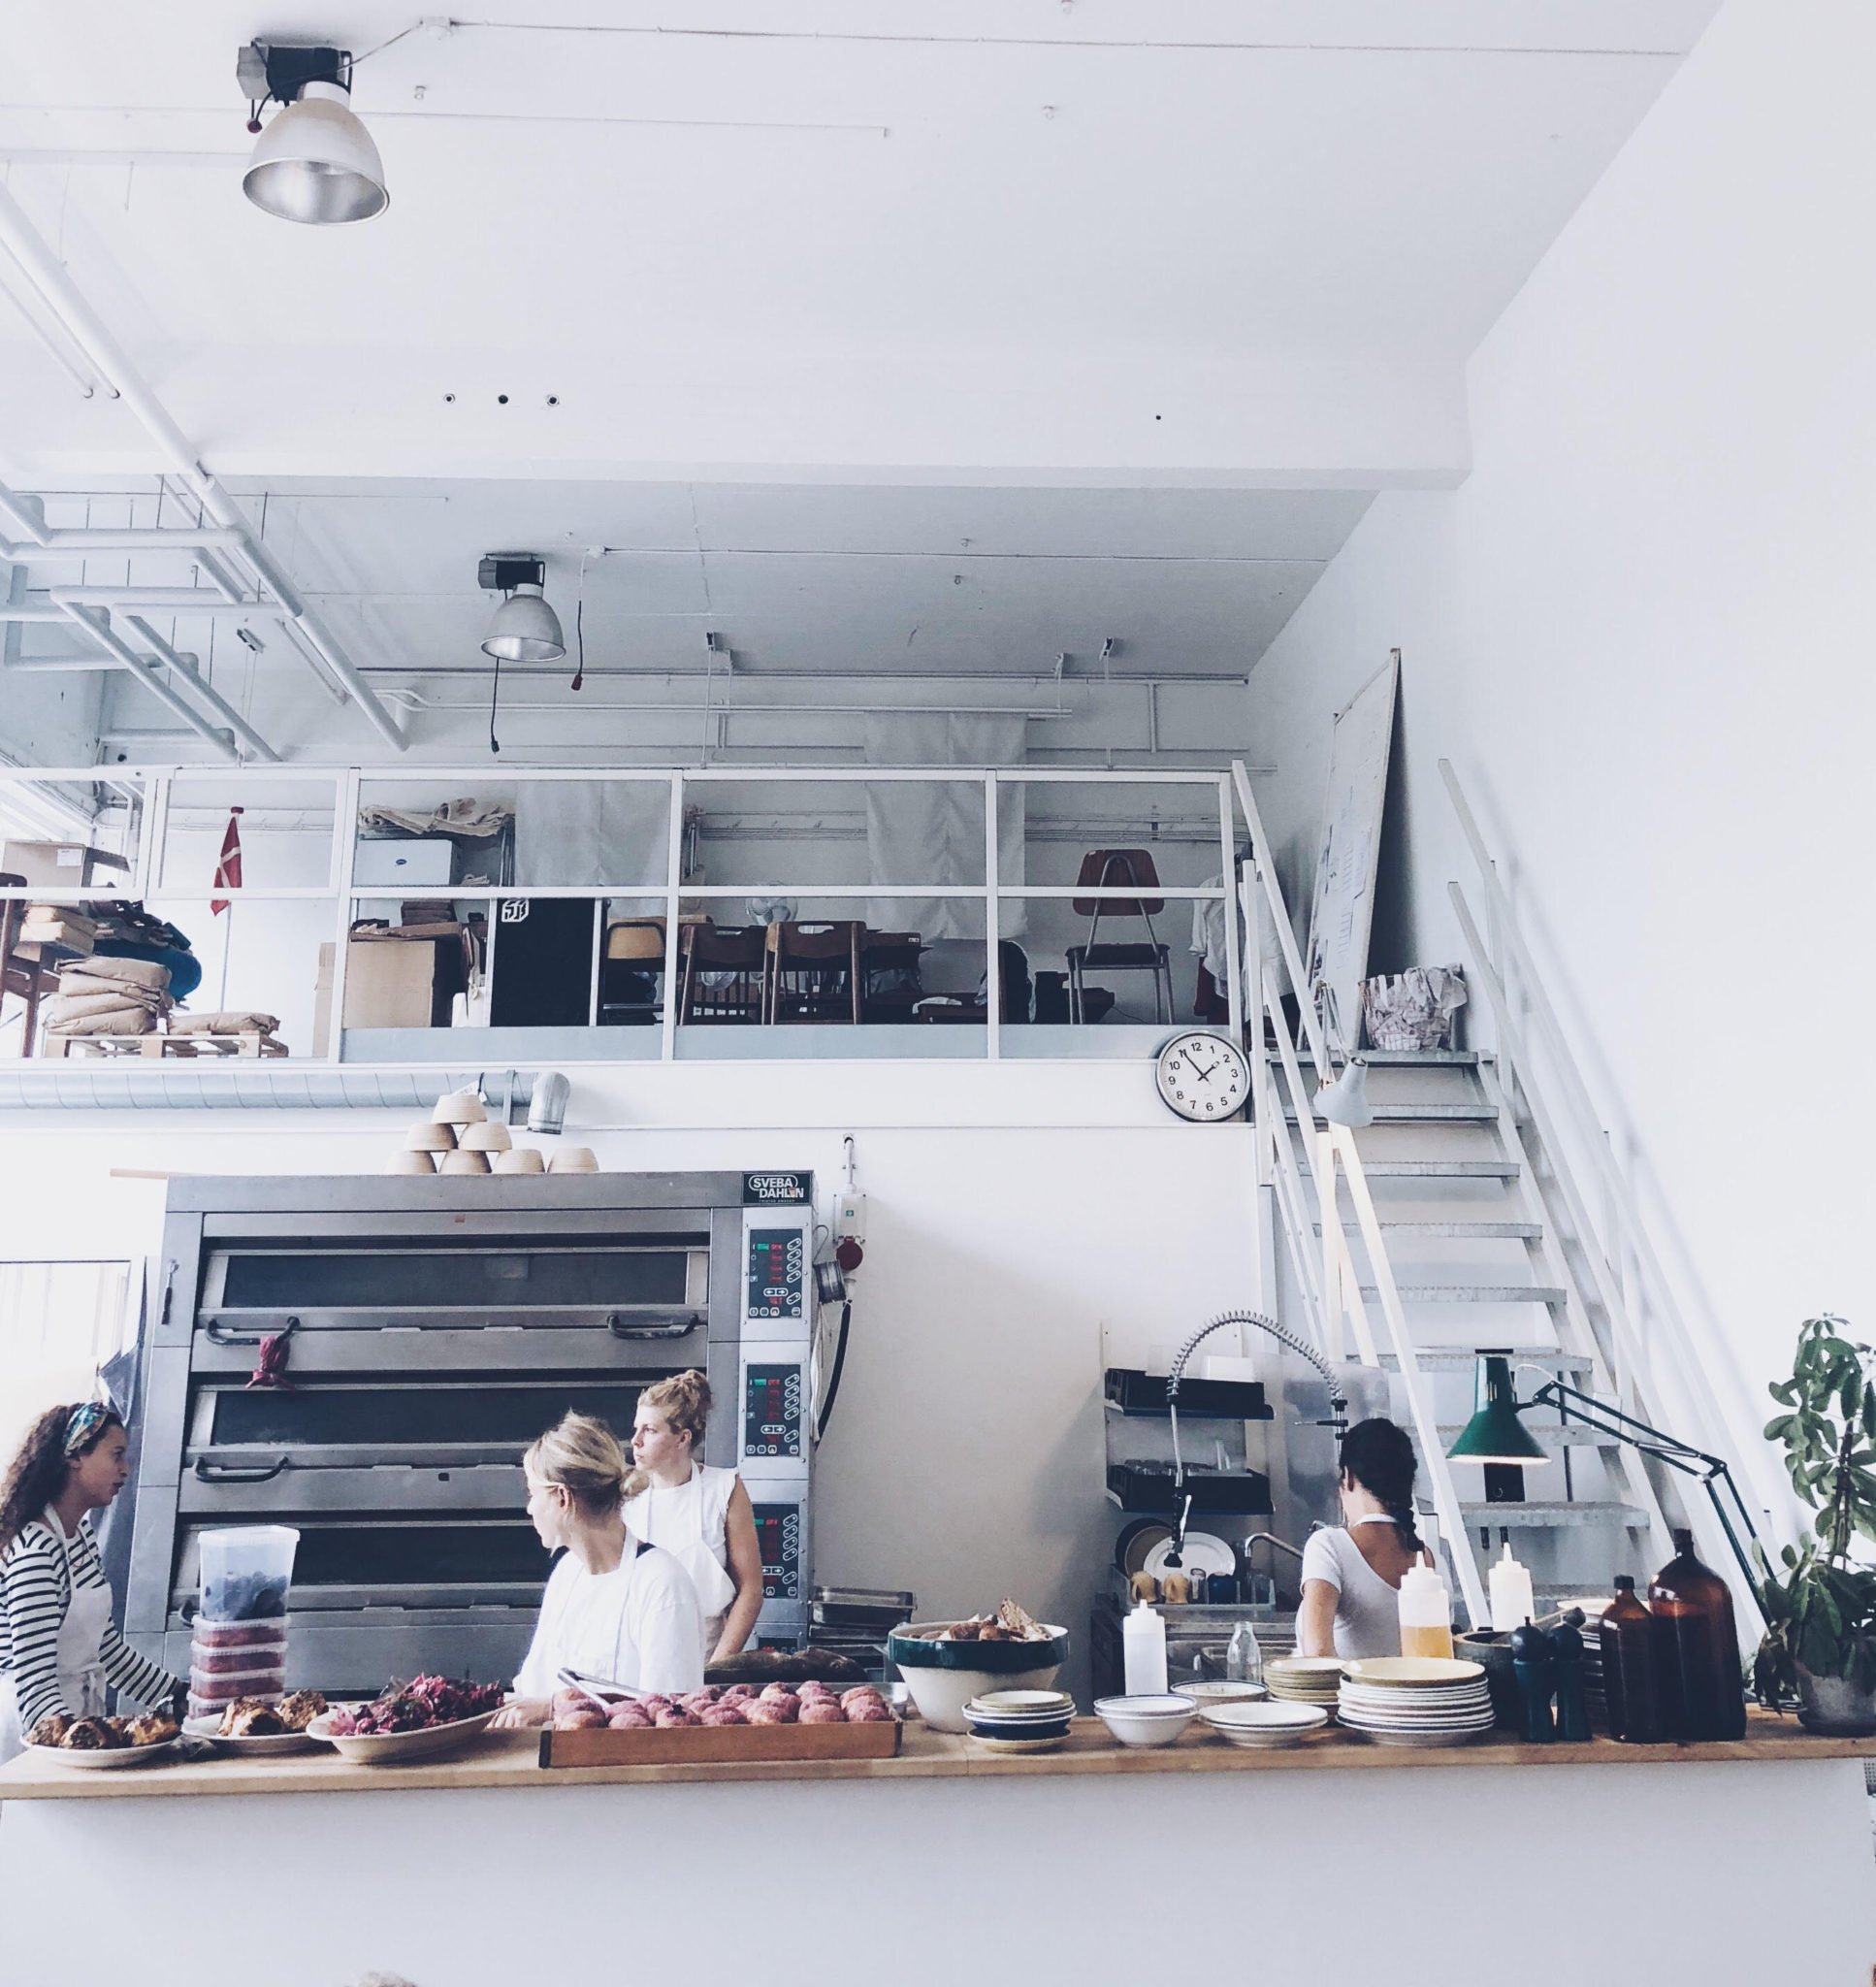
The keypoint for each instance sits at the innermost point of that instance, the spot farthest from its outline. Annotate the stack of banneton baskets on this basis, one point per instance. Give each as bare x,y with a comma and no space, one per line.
459,1136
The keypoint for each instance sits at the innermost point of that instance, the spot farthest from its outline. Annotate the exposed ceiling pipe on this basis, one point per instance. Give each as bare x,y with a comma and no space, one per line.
86,330
416,701
65,1085
184,666
97,624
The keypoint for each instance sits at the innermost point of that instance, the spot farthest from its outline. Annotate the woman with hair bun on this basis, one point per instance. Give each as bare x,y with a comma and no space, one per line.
615,1609
1351,1576
699,1515
59,1648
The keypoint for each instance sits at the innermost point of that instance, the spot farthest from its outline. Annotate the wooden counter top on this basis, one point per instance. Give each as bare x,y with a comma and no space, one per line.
511,1759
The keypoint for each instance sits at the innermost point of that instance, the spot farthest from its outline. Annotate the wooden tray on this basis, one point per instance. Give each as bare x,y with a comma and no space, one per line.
718,1744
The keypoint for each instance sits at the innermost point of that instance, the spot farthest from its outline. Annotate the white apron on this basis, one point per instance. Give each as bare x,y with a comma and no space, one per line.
682,1521
81,1666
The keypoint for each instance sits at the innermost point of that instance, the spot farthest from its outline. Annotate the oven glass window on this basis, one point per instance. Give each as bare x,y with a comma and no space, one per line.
444,1278
400,1416
418,1555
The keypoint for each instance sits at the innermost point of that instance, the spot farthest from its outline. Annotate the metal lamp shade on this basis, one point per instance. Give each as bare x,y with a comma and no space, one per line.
1346,1100
1494,1434
525,630
316,163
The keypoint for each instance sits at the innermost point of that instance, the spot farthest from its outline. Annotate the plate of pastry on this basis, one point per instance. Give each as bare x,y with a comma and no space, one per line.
105,1744
252,1728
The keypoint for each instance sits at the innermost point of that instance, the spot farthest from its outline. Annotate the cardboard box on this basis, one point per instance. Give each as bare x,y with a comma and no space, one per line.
60,866
389,983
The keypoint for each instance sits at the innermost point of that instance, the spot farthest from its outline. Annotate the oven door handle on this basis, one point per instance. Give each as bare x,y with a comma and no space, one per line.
681,1330
229,1473
219,1334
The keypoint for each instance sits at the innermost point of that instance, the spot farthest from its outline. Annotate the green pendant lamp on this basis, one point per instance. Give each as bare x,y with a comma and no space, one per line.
1494,1434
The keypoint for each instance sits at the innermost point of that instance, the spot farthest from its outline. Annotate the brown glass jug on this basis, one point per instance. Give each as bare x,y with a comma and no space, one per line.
1693,1614
1634,1686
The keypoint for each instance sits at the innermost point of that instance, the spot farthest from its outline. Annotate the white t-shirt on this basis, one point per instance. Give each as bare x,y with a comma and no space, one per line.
691,1522
1368,1610
637,1625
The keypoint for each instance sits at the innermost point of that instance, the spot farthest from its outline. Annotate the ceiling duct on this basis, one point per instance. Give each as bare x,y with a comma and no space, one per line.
121,1086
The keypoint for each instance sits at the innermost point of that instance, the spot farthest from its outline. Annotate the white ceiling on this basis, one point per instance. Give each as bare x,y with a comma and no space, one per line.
874,335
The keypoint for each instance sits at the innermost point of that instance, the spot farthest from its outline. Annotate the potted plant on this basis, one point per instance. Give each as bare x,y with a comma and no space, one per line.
1820,1605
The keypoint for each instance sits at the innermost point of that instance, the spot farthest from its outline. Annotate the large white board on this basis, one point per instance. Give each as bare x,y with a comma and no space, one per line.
1341,910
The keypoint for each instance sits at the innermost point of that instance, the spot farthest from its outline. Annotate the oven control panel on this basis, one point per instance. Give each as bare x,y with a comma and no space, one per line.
773,1391
776,1270
778,1533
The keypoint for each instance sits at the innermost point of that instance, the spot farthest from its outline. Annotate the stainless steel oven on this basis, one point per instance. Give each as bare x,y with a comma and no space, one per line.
431,1330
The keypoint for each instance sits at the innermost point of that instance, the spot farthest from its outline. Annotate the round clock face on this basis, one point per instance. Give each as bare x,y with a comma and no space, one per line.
1203,1078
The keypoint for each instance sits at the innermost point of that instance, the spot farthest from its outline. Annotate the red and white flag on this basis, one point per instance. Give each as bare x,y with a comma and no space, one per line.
228,869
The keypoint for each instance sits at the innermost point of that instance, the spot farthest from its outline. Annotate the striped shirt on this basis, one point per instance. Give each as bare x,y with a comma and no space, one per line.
41,1570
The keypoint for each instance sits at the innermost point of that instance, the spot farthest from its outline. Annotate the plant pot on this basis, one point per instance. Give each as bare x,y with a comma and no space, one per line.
1835,1706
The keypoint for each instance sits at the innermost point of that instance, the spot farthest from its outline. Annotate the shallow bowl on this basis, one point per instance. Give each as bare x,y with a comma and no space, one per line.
1157,1719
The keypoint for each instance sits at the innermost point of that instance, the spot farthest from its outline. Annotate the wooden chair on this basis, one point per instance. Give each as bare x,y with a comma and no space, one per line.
888,975
29,978
631,964
724,974
813,972
1109,870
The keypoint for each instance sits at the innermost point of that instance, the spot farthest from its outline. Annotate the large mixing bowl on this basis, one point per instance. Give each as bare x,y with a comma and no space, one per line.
942,1677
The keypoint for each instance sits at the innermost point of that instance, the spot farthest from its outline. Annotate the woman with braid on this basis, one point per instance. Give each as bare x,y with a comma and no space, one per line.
59,1648
1351,1576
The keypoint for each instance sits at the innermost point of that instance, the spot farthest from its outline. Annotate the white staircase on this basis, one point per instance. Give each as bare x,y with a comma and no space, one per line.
1453,1225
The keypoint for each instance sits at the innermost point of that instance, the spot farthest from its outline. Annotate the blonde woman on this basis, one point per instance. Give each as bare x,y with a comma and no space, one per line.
701,1515
615,1608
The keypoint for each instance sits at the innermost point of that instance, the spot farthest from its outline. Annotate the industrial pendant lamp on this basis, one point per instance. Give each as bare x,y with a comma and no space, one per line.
1346,1100
525,628
1494,1436
315,163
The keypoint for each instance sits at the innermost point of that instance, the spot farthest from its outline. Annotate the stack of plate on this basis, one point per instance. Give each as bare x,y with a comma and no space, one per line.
1415,1700
1019,1720
1303,1679
1262,1726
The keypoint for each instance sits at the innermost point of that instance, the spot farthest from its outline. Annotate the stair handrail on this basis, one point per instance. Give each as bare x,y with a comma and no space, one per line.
1331,1154
1725,1425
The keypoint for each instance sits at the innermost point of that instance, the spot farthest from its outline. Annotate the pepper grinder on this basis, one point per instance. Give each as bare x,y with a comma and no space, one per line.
1534,1664
1567,1660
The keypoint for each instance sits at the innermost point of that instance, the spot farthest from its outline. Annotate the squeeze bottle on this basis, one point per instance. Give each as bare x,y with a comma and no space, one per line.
1142,1645
1426,1614
1512,1603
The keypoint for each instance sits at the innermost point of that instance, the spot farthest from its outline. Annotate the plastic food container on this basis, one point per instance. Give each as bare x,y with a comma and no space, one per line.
239,1635
214,1706
219,1660
247,1571
223,1686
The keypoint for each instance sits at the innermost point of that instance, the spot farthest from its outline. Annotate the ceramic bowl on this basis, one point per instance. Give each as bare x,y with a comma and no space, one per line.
465,1162
1222,1693
1155,1720
1003,1705
485,1137
459,1107
430,1138
410,1163
942,1677
520,1158
574,1158
1265,1724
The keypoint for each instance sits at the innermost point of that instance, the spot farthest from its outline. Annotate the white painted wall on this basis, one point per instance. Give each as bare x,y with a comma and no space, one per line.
1640,632
1015,1212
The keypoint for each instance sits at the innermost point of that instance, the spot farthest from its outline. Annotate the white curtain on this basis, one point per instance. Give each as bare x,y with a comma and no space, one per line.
932,831
593,831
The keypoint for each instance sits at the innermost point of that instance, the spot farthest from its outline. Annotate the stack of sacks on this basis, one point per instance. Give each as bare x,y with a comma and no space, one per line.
107,996
58,925
225,1024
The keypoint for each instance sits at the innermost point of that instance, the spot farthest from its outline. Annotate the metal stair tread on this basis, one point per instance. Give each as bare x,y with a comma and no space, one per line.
1440,1169
1463,1358
1424,1114
1400,1058
1472,1293
1552,1433
1463,1231
1541,1516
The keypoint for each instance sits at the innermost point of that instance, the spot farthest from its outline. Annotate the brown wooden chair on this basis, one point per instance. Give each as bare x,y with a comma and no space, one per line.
27,977
814,972
631,964
1111,869
724,976
888,975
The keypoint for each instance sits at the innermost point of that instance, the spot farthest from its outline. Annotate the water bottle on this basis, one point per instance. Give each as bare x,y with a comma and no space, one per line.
1243,1660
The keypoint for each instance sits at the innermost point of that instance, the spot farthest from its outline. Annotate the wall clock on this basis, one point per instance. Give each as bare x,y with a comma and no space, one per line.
1203,1078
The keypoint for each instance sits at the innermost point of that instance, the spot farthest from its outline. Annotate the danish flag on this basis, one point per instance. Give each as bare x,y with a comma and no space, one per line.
228,869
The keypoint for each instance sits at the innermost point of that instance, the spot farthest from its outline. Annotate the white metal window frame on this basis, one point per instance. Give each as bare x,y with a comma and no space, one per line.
155,785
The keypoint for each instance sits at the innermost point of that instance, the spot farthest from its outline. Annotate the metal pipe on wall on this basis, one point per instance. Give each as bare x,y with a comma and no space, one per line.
185,666
97,624
88,332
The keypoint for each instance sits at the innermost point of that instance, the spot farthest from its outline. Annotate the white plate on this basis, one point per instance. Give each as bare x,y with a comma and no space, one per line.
1243,1716
395,1748
1414,1672
1201,1553
1223,1693
1426,1739
1020,1744
112,1761
261,1746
